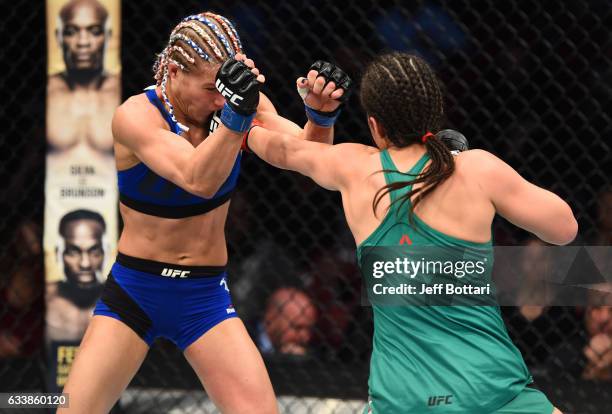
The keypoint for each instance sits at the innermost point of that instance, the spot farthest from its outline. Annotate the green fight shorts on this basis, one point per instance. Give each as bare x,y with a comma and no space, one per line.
529,401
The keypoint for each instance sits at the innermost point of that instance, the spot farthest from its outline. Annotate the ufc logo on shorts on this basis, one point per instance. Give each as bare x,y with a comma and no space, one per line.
439,400
175,272
228,93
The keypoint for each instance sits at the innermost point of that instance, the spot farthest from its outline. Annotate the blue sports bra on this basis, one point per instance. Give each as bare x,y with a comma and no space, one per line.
143,190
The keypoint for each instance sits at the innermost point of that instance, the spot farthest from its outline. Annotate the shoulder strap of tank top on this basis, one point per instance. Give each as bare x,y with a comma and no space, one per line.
154,99
392,174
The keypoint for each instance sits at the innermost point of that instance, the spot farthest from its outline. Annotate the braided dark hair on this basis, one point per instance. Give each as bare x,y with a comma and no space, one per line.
403,94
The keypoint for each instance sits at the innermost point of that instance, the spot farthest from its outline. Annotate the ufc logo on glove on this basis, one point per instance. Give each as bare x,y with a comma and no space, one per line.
228,93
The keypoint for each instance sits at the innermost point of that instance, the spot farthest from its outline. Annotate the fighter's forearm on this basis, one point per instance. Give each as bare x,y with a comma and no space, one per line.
317,133
272,147
212,161
311,131
274,122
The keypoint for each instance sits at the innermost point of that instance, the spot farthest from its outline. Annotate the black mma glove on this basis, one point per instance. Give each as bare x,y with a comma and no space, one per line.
240,87
331,73
455,141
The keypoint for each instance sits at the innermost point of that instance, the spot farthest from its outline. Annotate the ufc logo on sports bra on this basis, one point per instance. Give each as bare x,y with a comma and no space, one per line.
228,93
214,123
175,272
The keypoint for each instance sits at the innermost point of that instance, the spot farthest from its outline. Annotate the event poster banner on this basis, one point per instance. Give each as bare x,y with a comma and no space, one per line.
80,234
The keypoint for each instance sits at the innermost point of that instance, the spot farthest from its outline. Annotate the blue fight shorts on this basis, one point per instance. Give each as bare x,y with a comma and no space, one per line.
156,299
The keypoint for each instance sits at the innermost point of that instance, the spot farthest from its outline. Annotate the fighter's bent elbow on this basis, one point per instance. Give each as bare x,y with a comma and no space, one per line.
565,229
278,149
207,192
205,188
568,231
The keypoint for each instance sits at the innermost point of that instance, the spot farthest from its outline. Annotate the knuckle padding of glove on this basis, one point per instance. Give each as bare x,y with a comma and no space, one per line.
337,76
227,67
237,72
247,83
317,65
332,73
254,84
326,71
242,78
343,81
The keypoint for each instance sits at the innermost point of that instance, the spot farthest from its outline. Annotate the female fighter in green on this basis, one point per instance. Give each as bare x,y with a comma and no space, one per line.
426,359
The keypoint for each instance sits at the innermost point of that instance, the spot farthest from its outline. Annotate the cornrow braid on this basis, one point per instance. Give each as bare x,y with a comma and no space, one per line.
183,53
234,33
167,101
212,26
177,63
202,33
201,53
229,29
195,36
403,94
158,66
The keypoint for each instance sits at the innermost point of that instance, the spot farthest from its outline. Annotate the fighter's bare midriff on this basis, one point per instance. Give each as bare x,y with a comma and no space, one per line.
191,241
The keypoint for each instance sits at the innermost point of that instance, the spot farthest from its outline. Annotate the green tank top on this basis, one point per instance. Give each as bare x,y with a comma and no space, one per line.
444,359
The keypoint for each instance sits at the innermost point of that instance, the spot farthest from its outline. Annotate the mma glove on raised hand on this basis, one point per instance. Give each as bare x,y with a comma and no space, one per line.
240,87
331,73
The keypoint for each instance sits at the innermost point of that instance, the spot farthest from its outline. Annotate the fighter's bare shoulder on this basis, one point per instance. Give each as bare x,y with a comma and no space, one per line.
355,165
135,114
134,103
358,150
482,166
351,158
477,159
139,108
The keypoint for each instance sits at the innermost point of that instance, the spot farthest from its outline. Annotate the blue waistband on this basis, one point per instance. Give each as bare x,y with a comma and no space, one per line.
169,270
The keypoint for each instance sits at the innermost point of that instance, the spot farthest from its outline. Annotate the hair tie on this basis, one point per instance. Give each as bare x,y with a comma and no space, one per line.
425,137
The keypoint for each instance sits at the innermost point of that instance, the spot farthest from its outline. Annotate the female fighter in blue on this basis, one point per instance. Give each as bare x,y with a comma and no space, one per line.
176,175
